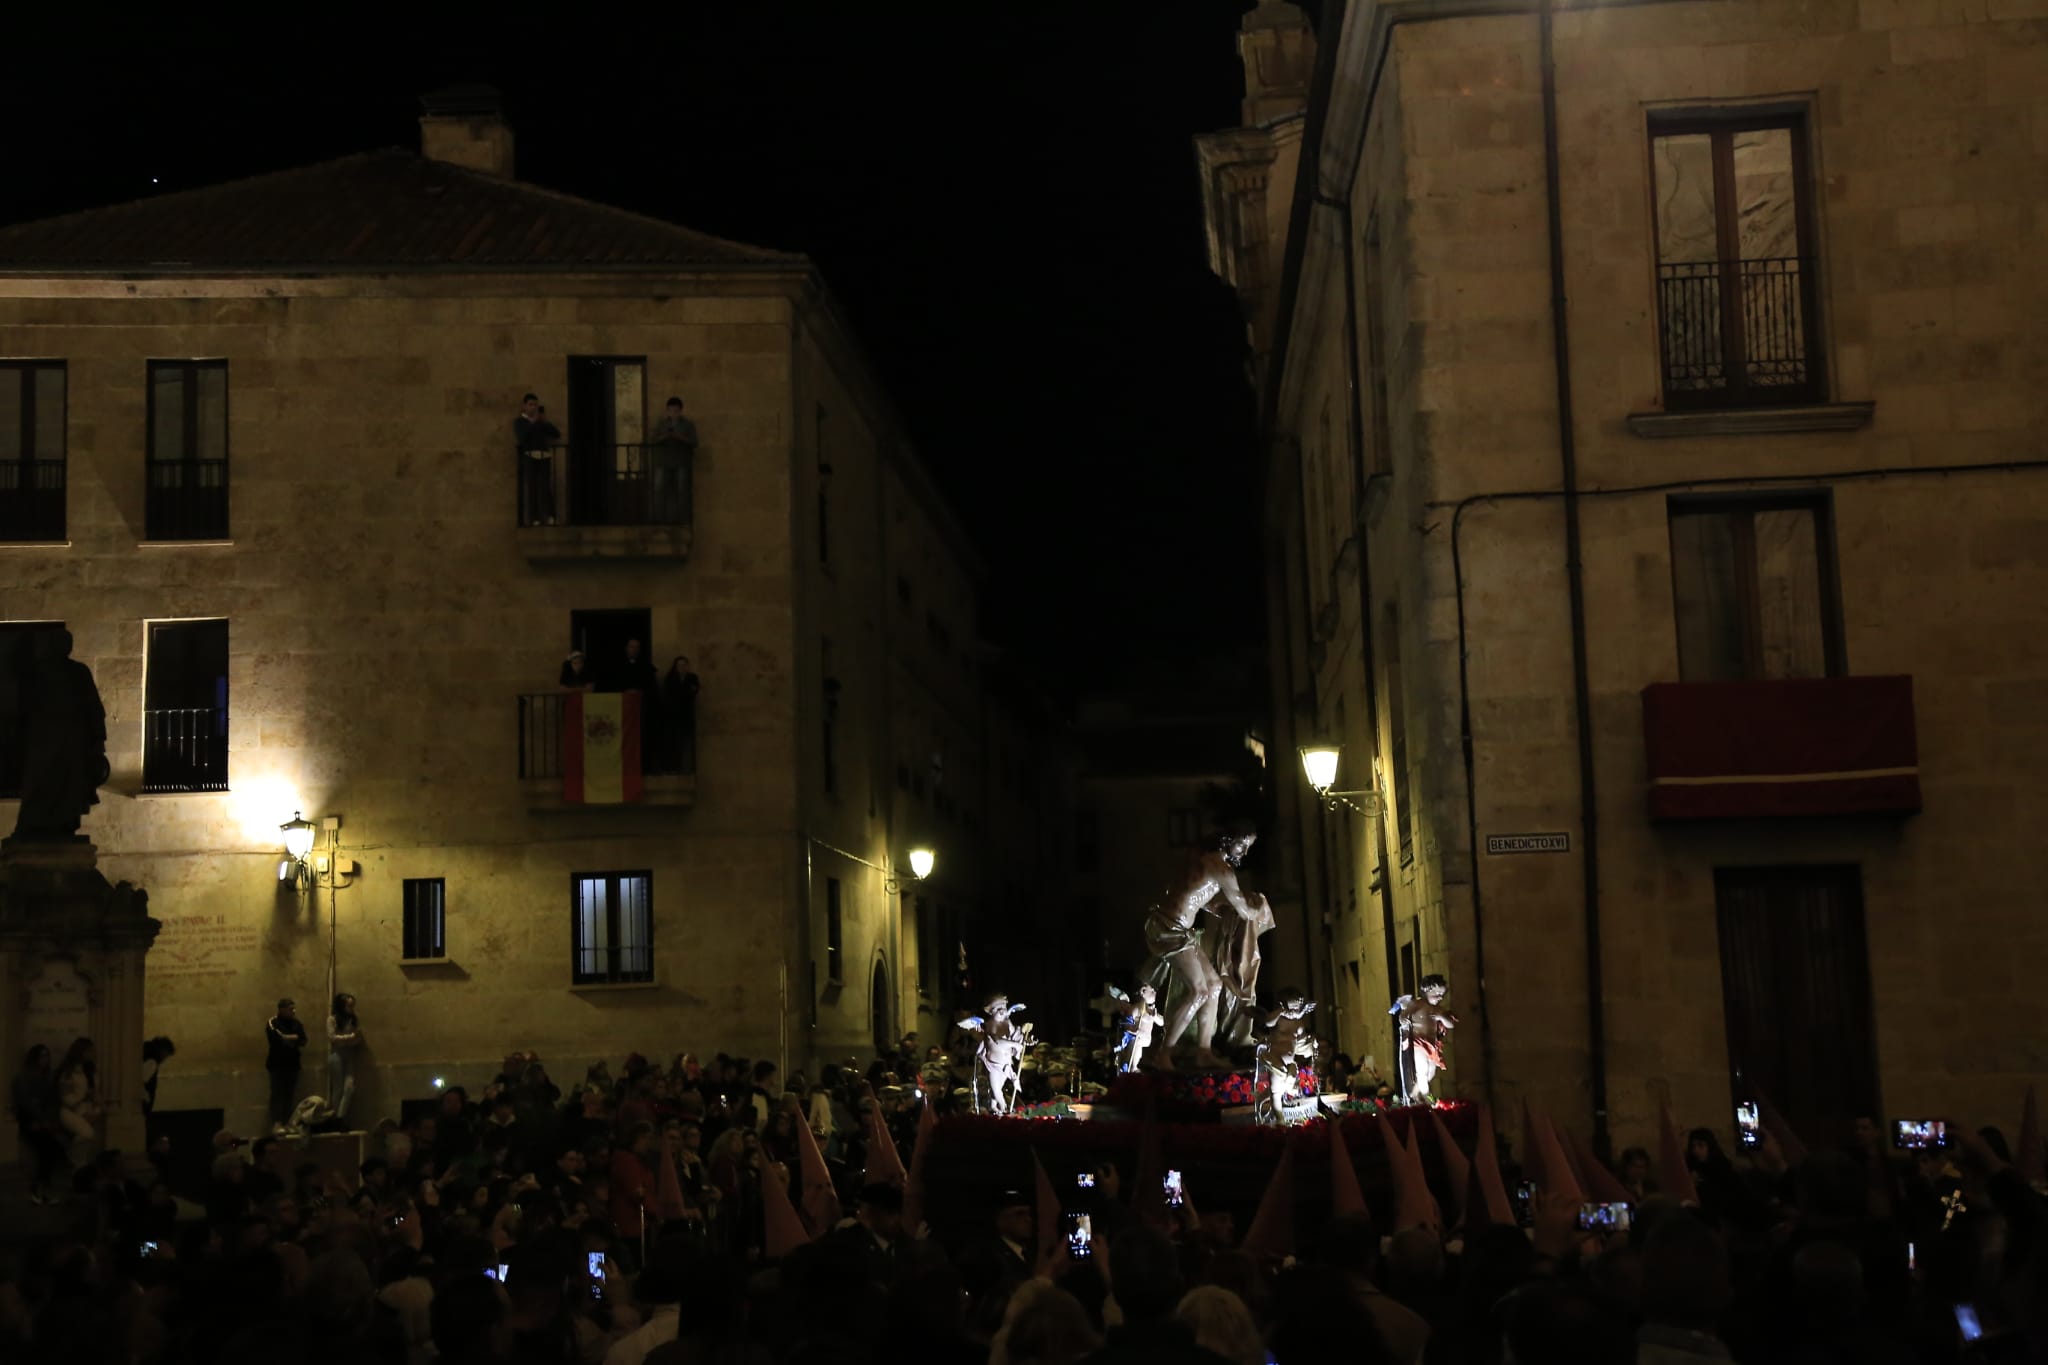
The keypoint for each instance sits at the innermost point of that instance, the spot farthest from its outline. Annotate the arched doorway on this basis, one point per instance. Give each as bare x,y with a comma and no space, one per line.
878,1010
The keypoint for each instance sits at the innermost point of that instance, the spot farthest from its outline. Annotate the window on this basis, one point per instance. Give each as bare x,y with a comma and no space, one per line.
185,707
31,450
188,450
1753,583
824,490
611,927
1183,828
1795,988
829,711
1397,744
835,931
1738,298
425,918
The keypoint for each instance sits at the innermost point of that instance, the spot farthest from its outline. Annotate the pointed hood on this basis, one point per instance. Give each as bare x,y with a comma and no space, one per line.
885,1163
1414,1205
1492,1205
1558,1177
1789,1145
1345,1195
783,1230
1602,1185
1272,1229
1457,1170
913,1186
820,1197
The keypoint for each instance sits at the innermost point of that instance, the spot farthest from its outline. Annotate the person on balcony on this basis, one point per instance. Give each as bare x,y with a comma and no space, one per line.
537,438
679,715
674,443
576,677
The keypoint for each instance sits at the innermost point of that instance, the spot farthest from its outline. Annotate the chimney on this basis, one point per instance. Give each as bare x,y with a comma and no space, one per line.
464,125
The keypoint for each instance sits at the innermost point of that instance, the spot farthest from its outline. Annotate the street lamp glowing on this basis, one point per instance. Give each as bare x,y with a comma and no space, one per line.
921,860
298,837
1319,765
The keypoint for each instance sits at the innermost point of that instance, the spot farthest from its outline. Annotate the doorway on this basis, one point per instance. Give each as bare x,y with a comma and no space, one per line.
602,635
1795,986
607,426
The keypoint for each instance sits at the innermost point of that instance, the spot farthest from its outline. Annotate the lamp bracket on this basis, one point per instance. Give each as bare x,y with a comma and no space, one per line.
1333,800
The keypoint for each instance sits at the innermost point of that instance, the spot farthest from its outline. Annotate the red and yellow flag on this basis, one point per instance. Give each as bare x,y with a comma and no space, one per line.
601,748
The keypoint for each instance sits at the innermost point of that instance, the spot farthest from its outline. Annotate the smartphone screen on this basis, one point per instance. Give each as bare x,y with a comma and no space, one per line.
1080,1235
1748,1125
598,1271
1916,1135
504,1271
1966,1322
1525,1203
1175,1195
1085,1181
1603,1217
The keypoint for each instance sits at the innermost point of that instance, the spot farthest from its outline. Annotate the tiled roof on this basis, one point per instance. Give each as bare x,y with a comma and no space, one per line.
372,211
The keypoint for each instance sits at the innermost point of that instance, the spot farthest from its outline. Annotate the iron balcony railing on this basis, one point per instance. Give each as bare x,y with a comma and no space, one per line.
31,500
605,485
1739,333
185,749
668,742
187,500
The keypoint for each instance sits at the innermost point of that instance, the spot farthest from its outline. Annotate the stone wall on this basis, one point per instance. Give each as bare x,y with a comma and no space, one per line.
1929,159
383,619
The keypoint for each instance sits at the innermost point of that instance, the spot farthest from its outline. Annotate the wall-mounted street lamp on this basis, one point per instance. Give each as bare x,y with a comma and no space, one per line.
298,843
1319,766
921,862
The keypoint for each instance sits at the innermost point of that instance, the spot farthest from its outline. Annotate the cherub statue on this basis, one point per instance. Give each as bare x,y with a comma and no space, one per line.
1001,1051
1421,1026
1140,1018
1287,1044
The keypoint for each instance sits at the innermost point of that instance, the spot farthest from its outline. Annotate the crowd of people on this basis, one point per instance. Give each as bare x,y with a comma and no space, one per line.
633,1218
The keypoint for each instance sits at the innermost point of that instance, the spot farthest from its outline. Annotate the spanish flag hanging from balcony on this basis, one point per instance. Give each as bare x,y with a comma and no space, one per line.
601,748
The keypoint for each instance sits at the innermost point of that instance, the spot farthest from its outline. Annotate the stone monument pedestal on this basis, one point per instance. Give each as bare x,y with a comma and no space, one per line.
71,966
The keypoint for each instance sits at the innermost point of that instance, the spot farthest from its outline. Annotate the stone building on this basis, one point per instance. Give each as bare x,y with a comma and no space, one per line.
257,453
1657,506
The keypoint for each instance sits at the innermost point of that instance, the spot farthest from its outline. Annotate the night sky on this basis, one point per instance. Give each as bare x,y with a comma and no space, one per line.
1003,195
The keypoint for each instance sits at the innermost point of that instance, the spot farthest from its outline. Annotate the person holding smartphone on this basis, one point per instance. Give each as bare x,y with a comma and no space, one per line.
344,1039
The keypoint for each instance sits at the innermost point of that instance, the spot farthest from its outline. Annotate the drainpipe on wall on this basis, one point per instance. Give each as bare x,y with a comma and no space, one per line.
1582,703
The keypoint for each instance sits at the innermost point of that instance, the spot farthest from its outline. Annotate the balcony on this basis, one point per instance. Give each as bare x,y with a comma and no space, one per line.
604,502
655,756
1781,748
185,750
31,500
187,500
1750,345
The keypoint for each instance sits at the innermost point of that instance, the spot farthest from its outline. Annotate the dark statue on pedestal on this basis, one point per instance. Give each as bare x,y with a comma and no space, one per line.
64,741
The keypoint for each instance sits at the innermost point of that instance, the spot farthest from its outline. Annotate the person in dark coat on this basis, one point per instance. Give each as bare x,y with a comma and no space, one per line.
679,715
